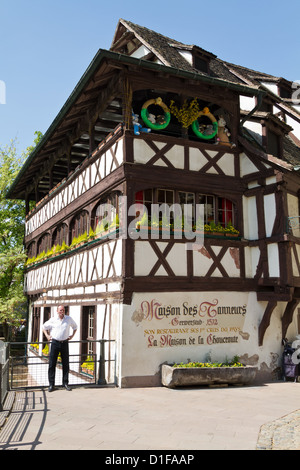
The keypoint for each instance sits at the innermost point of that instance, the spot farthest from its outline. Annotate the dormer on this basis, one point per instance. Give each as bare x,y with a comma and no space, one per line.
279,86
195,56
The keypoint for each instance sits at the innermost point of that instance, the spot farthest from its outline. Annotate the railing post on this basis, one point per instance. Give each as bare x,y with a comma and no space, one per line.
1,383
101,378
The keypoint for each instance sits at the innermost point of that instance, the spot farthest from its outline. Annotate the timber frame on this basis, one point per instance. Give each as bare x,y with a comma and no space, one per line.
91,150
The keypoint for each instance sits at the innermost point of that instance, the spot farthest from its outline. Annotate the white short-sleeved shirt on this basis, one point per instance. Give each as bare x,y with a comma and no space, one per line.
60,329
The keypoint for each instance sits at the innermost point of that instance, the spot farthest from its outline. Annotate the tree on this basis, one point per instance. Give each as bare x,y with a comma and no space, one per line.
12,253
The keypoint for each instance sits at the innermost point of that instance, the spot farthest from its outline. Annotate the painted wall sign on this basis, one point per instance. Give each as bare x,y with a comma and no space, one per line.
184,324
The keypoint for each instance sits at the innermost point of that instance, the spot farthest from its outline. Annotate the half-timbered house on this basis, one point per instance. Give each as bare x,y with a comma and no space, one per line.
155,121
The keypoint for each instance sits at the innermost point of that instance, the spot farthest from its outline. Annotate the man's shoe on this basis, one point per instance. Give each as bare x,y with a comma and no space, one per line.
67,387
51,388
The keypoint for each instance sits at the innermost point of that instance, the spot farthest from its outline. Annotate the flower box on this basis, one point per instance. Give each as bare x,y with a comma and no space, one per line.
187,376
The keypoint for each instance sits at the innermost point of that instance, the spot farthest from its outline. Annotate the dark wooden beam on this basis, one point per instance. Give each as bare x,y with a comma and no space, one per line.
288,316
265,322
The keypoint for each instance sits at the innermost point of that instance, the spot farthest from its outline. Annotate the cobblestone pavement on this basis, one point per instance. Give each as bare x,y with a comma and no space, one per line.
264,417
281,434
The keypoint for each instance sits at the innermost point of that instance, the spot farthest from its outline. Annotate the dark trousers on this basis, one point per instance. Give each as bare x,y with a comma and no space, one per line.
56,348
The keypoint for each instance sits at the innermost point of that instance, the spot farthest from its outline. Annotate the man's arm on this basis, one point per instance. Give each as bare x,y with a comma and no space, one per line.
70,337
47,329
47,334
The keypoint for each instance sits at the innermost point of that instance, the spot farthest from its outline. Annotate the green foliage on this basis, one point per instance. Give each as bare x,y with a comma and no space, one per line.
12,253
234,362
89,364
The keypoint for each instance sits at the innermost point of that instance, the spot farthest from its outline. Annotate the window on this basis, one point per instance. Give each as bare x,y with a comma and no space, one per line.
145,197
165,196
31,250
88,328
225,211
273,143
44,243
201,64
106,210
47,315
209,207
60,235
216,209
79,224
284,92
189,199
35,332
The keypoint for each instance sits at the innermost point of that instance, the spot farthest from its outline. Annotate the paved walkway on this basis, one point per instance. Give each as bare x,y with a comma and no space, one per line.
256,417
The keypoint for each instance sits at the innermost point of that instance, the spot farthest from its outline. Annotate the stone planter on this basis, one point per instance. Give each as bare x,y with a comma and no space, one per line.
187,376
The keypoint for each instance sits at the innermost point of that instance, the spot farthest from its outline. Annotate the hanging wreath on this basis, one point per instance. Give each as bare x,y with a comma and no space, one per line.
156,122
202,131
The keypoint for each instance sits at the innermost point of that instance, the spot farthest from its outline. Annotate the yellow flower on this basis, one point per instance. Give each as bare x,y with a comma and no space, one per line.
187,113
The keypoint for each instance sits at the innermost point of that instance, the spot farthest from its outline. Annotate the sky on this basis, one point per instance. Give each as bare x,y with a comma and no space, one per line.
46,46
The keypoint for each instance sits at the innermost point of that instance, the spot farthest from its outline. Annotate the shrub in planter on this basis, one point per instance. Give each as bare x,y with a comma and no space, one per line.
204,373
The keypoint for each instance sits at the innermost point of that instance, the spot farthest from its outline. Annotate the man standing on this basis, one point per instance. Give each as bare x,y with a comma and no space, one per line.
57,330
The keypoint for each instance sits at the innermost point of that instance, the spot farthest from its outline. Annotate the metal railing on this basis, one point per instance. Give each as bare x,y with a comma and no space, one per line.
4,373
29,362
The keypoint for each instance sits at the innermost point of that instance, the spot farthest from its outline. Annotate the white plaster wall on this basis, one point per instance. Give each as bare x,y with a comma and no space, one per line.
252,255
142,333
295,261
108,328
247,167
140,52
293,205
255,130
295,125
187,56
84,181
293,211
143,153
271,86
269,212
247,103
250,218
78,268
273,260
145,258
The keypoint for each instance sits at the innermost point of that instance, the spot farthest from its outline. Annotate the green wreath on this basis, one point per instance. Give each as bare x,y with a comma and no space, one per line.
145,114
195,125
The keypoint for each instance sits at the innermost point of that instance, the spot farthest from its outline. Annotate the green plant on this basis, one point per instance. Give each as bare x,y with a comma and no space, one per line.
56,249
144,221
230,228
89,364
83,238
64,246
91,233
40,256
99,229
115,223
233,363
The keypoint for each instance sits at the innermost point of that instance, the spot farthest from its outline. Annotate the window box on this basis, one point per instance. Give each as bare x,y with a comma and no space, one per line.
187,376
